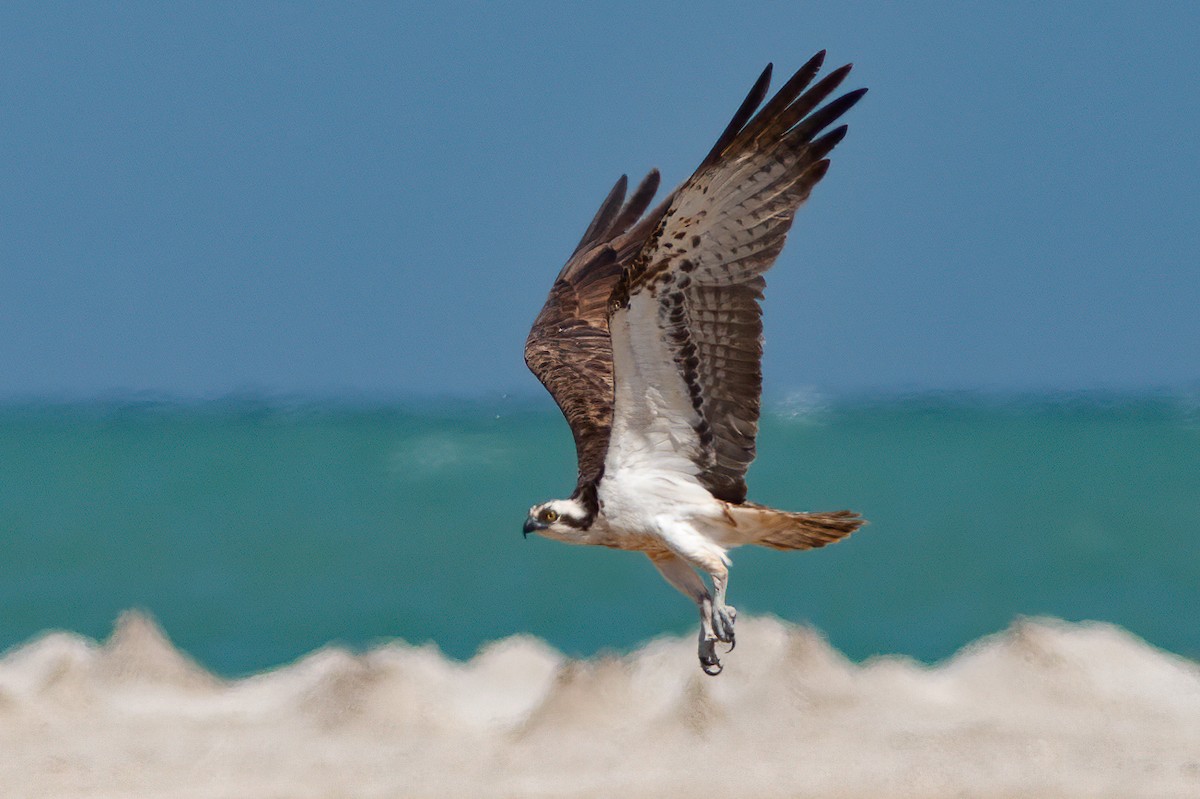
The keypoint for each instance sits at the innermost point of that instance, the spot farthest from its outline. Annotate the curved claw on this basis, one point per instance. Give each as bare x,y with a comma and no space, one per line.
710,664
722,622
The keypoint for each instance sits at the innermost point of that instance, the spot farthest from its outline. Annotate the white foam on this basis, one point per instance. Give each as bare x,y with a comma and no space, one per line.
434,453
1045,708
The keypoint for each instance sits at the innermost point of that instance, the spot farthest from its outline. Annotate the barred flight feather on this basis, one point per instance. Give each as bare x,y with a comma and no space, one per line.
700,254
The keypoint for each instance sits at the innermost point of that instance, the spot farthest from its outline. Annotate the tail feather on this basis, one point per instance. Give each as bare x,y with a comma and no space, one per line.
779,529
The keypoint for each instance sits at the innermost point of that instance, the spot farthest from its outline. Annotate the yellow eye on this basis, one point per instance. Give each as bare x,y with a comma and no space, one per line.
549,516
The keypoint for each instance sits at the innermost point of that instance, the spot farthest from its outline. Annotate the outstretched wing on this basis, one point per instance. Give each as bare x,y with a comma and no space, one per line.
686,322
568,348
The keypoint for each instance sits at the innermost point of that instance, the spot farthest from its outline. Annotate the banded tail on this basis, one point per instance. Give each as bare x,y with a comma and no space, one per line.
780,529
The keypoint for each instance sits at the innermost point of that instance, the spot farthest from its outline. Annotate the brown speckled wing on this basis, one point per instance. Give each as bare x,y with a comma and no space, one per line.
568,348
705,260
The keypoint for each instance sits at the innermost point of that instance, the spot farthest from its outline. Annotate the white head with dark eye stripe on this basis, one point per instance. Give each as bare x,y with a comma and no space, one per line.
561,519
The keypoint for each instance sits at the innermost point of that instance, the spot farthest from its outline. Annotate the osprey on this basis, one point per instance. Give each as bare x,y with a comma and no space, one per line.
651,344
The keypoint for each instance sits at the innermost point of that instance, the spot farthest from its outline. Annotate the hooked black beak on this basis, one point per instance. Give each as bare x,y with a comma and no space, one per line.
530,526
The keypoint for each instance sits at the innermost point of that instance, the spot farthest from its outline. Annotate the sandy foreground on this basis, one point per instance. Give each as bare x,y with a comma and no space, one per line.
1045,709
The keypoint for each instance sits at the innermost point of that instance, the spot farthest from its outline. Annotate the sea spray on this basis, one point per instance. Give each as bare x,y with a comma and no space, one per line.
1044,708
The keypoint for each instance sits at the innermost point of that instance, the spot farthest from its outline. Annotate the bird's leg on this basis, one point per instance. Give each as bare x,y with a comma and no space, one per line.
705,556
678,573
723,616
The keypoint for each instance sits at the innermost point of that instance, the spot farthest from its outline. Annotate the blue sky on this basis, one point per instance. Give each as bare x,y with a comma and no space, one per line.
214,198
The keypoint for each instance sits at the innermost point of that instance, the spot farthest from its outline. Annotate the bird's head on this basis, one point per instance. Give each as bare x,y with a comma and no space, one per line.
560,519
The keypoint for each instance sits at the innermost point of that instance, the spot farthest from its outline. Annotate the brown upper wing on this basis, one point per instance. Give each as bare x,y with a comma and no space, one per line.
704,264
568,347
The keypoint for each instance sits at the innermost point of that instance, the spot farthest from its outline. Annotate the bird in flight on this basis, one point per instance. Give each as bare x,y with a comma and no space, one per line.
651,344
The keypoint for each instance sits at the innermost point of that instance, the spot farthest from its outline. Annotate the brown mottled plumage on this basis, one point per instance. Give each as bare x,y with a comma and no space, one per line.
768,164
569,348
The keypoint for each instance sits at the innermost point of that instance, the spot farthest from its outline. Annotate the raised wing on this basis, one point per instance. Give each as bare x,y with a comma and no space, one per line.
568,348
686,322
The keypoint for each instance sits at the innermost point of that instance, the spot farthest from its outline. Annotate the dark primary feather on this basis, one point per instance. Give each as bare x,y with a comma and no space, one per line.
705,261
604,217
753,100
568,348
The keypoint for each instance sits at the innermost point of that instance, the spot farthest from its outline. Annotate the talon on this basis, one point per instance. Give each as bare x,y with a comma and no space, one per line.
709,662
722,622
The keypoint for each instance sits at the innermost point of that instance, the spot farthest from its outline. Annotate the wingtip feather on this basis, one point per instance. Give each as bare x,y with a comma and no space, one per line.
608,211
822,118
822,146
755,97
637,203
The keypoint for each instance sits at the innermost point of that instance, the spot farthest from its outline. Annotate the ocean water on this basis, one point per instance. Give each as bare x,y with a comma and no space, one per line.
258,531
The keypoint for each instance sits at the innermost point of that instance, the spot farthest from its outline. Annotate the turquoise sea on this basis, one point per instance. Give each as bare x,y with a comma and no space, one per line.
256,531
